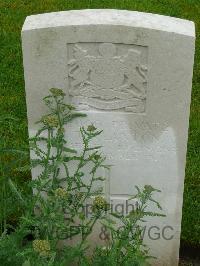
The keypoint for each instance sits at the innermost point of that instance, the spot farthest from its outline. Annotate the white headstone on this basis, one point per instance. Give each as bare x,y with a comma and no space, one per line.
131,73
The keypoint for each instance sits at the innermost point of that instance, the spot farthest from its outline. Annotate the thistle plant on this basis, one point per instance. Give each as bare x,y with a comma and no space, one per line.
126,245
54,213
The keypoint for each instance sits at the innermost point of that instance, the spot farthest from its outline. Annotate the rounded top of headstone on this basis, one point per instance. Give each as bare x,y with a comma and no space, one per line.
110,17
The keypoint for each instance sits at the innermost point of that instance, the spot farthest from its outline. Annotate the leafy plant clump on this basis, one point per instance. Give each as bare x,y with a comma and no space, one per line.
54,214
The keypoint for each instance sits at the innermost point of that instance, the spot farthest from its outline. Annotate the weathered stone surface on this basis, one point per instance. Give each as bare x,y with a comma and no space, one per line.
131,72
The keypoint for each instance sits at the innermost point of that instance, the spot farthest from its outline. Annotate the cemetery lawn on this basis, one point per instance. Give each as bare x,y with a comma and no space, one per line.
13,131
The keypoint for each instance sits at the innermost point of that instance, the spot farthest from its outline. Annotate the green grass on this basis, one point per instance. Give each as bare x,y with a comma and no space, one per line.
12,94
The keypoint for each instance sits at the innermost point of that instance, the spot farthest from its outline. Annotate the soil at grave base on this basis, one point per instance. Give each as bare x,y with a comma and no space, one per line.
189,255
188,262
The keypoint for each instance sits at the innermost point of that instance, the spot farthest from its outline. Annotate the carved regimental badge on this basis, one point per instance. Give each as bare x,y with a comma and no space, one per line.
106,76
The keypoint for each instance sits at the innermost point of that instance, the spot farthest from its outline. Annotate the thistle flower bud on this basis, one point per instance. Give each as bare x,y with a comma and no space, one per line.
97,157
42,247
61,193
79,195
57,92
50,121
100,203
91,128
